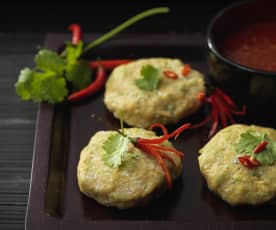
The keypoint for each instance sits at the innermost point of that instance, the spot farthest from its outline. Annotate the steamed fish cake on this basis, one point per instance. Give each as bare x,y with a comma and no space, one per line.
239,164
126,176
153,90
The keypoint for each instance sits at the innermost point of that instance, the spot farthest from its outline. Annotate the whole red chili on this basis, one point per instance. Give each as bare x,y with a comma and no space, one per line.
108,64
260,147
170,74
76,33
94,87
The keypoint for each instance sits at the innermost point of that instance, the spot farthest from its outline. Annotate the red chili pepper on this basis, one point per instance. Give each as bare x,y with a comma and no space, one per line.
222,108
108,64
165,137
186,70
248,162
76,33
260,147
148,149
152,147
170,74
94,87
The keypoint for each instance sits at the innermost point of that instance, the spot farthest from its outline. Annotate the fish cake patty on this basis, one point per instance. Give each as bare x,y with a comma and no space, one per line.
134,183
227,177
173,99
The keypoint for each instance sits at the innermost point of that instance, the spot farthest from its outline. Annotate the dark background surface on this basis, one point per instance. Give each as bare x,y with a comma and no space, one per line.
22,31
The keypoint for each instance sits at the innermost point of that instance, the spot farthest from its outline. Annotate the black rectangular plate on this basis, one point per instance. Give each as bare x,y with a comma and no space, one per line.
189,205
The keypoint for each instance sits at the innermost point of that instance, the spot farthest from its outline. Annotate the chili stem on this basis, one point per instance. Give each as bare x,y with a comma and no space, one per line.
126,24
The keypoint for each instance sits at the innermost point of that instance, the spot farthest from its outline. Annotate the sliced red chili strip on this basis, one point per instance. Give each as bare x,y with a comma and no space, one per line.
94,87
165,156
214,126
165,137
163,166
161,126
168,149
76,33
221,110
241,113
179,130
147,149
108,64
170,74
226,98
260,147
202,123
186,70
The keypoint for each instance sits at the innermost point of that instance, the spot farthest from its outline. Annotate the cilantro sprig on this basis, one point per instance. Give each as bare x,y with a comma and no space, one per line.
248,142
55,74
150,78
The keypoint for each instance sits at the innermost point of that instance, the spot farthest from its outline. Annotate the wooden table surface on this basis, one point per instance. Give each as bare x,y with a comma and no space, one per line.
20,36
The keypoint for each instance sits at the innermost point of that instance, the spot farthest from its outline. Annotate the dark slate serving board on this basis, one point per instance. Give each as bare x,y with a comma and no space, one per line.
68,128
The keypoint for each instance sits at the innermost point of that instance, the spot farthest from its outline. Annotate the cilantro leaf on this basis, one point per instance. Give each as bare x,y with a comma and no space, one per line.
22,86
150,78
116,147
79,74
73,52
248,142
48,60
49,87
41,86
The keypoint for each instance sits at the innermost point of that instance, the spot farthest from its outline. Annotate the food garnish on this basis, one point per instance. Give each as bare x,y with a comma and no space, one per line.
108,64
222,110
116,146
255,149
94,87
56,74
170,74
186,70
150,78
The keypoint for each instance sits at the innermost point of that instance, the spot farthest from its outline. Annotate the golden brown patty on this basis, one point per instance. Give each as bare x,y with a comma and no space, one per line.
135,182
169,103
227,177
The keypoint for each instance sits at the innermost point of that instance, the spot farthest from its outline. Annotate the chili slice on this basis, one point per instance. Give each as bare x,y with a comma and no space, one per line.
260,147
186,70
94,87
170,74
247,162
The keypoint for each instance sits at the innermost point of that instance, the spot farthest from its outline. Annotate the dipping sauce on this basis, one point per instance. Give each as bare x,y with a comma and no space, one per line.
253,46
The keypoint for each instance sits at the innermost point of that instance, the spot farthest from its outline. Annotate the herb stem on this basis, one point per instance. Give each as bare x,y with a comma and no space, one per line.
126,24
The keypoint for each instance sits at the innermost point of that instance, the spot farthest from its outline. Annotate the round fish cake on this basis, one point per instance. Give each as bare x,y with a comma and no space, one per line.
134,183
173,99
227,177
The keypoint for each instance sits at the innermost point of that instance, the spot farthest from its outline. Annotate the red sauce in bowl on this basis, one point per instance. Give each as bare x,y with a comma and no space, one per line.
253,46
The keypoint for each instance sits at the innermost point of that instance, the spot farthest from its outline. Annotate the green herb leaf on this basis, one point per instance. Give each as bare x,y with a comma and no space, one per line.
248,142
116,146
150,78
48,60
79,74
41,86
22,86
73,52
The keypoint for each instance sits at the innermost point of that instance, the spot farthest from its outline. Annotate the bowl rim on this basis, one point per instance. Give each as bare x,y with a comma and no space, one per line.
212,46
